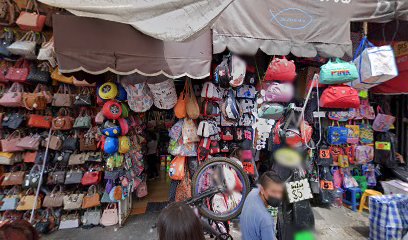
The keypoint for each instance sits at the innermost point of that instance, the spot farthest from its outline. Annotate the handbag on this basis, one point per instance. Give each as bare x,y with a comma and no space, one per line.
338,72
13,120
189,131
63,97
176,170
183,190
382,122
10,143
39,121
36,100
26,47
92,198
9,158
73,201
27,202
337,135
278,92
77,159
192,108
180,109
55,199
13,97
271,111
7,40
56,177
140,98
83,121
281,69
366,133
63,121
88,141
19,72
31,142
73,177
91,217
84,98
70,144
110,215
14,177
57,76
91,177
39,74
375,65
10,201
33,20
55,142
364,154
164,94
69,221
47,53
340,96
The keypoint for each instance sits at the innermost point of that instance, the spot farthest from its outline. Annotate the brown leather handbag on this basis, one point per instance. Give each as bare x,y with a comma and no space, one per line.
15,177
55,198
63,121
38,99
55,142
63,97
92,198
88,141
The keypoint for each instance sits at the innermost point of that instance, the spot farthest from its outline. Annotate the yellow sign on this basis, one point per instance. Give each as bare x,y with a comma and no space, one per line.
401,49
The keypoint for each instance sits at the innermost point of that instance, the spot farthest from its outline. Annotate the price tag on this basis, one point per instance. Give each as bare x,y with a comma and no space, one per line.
324,153
299,190
249,168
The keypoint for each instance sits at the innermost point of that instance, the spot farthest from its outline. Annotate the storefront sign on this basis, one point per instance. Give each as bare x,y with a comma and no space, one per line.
299,190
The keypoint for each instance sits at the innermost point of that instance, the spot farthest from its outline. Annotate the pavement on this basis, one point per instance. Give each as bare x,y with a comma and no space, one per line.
331,224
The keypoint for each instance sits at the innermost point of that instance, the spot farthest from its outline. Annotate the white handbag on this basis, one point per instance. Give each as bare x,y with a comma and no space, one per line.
47,53
110,215
69,221
91,217
238,70
25,46
211,91
375,65
164,94
73,201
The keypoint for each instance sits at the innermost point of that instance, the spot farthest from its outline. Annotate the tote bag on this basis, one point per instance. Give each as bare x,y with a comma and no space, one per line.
375,65
164,94
140,98
382,122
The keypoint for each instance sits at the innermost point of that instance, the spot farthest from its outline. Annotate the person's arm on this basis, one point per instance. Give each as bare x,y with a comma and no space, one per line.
267,231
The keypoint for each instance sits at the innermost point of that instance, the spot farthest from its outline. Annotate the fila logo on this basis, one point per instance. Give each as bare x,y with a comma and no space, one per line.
340,72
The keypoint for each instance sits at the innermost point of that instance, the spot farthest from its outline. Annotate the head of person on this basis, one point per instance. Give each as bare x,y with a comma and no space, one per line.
178,221
271,188
18,230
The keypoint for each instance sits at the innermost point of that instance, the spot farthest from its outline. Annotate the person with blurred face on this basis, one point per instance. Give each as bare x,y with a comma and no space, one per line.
255,221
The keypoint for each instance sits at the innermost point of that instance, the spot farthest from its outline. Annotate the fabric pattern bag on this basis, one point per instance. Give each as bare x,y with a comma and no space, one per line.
375,65
183,191
91,217
55,198
140,98
73,201
92,198
210,91
340,96
13,97
338,72
192,108
364,154
110,215
388,216
246,91
188,149
366,134
382,122
337,135
164,94
189,131
278,92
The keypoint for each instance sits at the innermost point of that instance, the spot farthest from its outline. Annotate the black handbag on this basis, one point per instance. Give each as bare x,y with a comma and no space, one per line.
39,158
33,177
61,157
7,40
13,120
70,144
39,74
84,98
56,177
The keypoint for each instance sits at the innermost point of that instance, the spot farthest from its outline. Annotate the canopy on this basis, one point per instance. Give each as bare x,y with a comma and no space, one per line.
304,27
97,46
175,20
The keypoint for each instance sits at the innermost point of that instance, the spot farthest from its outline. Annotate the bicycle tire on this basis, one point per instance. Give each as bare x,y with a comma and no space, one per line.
246,187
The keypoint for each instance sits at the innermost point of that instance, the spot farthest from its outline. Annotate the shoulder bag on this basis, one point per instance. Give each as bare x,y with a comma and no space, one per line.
180,110
39,74
33,177
340,96
54,199
92,198
15,177
77,159
13,97
278,92
338,72
140,98
110,215
382,122
39,121
27,202
63,97
73,201
10,201
91,177
9,158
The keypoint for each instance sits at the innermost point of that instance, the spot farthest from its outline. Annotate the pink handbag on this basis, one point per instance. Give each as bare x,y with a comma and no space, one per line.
278,92
110,215
13,97
382,122
31,142
10,143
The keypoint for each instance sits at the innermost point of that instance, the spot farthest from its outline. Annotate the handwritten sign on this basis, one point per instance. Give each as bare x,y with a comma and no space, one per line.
299,190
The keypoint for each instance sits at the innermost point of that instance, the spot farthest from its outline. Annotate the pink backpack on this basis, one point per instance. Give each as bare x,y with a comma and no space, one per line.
278,92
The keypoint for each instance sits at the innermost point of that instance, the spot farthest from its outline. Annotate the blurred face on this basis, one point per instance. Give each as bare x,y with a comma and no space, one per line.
272,193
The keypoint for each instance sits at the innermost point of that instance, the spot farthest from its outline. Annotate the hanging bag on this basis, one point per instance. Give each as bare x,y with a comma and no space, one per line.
177,165
73,201
13,97
39,74
14,177
84,120
340,96
189,131
366,133
192,108
19,72
278,92
180,110
63,97
183,190
84,98
10,143
337,135
38,99
92,198
54,199
26,46
353,135
338,72
140,98
364,154
382,122
63,121
27,202
56,75
31,19
110,215
281,69
164,94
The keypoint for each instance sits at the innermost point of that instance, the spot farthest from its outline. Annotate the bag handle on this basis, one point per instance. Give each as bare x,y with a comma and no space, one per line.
14,135
91,190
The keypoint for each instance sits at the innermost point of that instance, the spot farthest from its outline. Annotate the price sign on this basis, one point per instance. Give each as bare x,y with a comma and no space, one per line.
299,190
324,153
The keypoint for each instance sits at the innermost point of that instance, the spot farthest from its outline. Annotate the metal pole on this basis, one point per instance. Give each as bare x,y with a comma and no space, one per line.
41,177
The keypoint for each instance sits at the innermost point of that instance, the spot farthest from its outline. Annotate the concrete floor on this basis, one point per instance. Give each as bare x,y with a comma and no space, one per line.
331,224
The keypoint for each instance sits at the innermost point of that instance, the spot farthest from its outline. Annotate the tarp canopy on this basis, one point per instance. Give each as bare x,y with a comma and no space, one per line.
175,20
303,27
97,46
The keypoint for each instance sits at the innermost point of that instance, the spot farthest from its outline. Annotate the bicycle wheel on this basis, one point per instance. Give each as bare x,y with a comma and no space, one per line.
212,173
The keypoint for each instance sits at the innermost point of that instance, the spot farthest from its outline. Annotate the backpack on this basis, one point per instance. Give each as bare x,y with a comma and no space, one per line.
385,149
207,129
209,109
211,91
222,74
230,108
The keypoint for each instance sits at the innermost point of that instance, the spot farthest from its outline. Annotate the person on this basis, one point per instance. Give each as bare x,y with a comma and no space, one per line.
152,158
178,221
256,222
18,230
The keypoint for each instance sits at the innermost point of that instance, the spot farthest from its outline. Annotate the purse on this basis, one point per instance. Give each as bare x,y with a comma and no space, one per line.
55,142
73,201
13,120
92,177
382,122
10,143
73,177
39,74
84,98
39,121
57,76
338,72
69,221
14,177
278,92
36,100
55,199
281,69
366,133
94,157
88,142
26,47
63,97
56,177
83,83
9,158
13,97
77,159
110,215
63,121
47,53
83,121
33,177
31,142
91,217
353,136
92,198
33,20
192,108
10,201
340,96
70,144
27,202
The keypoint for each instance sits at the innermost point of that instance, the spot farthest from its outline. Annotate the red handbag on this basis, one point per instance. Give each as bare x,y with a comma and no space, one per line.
31,21
29,157
62,121
91,178
340,96
19,72
281,70
39,121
